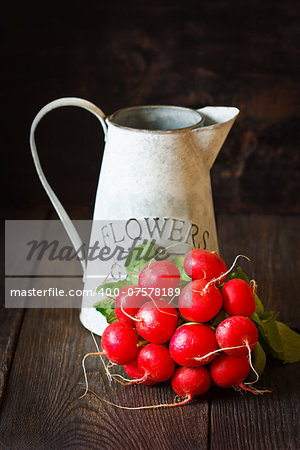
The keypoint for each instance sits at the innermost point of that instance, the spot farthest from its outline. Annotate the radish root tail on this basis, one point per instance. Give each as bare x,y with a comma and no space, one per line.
106,367
253,390
160,310
100,354
253,286
204,357
248,386
162,405
125,313
128,381
84,371
225,273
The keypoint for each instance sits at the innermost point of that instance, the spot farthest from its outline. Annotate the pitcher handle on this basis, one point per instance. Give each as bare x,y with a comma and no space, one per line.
62,214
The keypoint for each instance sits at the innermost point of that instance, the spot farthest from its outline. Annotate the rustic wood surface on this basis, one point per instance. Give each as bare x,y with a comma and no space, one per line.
40,402
10,319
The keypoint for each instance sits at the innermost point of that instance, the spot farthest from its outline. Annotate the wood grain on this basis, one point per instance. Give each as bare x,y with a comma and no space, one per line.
269,421
41,406
10,323
272,242
262,422
10,319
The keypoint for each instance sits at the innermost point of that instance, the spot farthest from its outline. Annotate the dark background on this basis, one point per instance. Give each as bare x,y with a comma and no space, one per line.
117,54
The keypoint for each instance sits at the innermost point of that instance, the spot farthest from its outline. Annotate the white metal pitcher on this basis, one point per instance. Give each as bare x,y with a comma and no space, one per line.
156,164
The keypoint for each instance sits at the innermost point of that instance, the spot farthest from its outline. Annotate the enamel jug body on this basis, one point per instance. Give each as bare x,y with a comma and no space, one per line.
155,175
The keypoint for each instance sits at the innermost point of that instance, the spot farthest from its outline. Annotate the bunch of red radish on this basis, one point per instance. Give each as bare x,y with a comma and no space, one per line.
156,340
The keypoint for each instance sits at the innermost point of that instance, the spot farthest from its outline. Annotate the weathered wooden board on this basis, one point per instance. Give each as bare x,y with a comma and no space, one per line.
41,406
269,421
10,319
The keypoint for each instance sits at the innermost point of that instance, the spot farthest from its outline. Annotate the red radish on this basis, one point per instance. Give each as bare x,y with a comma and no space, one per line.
191,381
204,265
191,342
155,360
119,342
198,303
136,373
129,303
237,331
238,298
156,322
160,278
229,371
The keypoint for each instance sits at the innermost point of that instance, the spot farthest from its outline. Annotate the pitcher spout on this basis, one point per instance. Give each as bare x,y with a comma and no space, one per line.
209,139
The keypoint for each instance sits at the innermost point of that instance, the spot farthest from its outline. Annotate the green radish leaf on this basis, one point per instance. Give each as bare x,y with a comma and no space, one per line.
182,284
138,258
255,318
272,336
267,316
111,317
269,335
141,255
275,338
259,309
178,261
238,273
105,304
259,359
107,308
142,343
291,344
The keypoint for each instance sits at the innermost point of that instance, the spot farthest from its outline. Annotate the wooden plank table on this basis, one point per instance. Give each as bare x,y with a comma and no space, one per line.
41,374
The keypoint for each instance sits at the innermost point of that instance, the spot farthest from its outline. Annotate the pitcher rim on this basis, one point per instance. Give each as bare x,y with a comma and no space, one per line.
112,116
